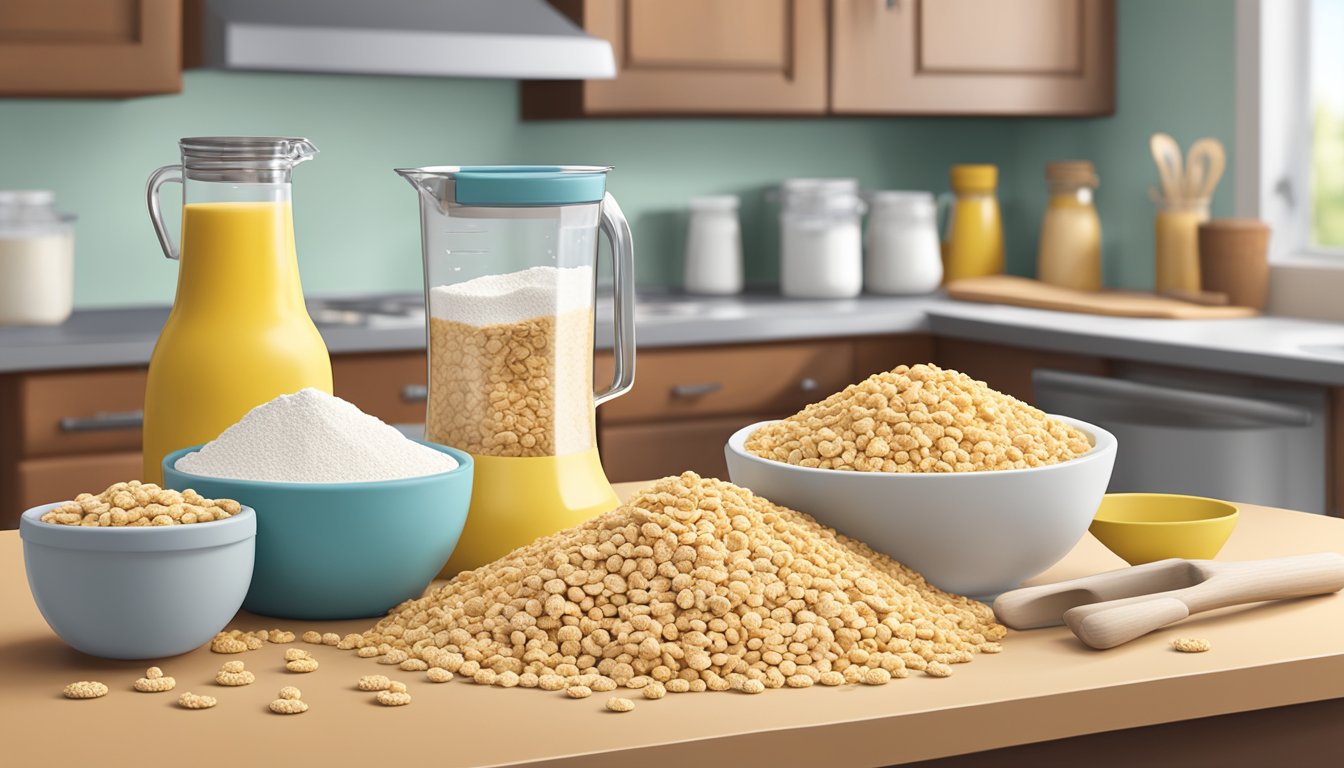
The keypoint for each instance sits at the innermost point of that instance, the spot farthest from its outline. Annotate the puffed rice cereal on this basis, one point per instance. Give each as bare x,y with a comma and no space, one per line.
289,706
1191,644
234,674
578,692
302,665
919,418
312,637
135,504
618,704
654,690
373,683
441,675
154,681
190,700
331,638
734,592
414,665
390,698
280,636
85,689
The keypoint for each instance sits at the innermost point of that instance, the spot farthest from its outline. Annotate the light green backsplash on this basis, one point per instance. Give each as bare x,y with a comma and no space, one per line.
357,224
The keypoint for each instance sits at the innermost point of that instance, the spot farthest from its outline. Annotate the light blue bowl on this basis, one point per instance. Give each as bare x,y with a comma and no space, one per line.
138,593
343,550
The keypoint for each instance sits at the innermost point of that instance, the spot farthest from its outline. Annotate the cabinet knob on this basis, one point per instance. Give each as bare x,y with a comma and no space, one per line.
103,420
415,393
687,391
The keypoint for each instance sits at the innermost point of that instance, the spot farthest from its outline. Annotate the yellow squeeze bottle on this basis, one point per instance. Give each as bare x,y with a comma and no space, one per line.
239,333
974,247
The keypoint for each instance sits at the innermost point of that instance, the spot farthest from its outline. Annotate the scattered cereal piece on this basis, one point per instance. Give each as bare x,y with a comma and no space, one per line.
617,704
937,669
1191,644
525,680
350,641
331,638
677,685
289,706
290,692
991,648
753,686
154,682
396,686
233,666
85,689
253,643
578,691
414,665
392,657
484,677
225,644
235,679
295,654
302,665
280,636
312,637
831,678
368,652
390,699
438,675
550,683
190,700
508,679
877,676
374,683
654,690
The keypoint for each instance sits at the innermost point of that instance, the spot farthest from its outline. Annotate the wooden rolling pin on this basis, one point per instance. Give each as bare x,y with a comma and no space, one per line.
1112,608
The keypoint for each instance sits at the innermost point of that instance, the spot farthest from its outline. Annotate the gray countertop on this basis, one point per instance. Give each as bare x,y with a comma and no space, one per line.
1274,347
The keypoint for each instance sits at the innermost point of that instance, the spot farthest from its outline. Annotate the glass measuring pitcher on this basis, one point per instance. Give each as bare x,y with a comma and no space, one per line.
510,278
239,333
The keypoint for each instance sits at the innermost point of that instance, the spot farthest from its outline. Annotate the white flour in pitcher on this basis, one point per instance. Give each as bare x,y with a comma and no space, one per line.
313,437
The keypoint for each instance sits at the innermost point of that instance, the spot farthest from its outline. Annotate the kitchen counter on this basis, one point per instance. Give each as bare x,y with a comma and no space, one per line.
1275,347
1044,686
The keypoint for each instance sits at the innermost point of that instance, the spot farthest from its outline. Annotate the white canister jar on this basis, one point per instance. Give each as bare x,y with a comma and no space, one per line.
37,259
714,246
903,255
821,248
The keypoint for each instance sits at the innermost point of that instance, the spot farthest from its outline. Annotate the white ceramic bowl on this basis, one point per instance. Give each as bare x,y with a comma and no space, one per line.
138,593
973,533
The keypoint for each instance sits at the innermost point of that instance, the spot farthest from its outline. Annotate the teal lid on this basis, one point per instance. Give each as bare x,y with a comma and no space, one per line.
529,184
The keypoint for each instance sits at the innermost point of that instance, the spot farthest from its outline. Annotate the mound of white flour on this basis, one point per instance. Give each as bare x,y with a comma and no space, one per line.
514,297
313,437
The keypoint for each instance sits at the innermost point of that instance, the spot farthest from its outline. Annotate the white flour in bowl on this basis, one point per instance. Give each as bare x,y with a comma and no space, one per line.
313,437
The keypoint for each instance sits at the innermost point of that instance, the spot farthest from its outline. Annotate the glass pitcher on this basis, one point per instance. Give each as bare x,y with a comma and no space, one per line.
510,277
239,333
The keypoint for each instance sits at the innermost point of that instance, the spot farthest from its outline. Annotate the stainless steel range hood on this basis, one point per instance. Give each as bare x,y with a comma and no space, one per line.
523,39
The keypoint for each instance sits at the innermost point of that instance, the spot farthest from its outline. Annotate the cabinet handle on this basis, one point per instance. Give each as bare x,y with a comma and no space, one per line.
104,420
809,384
414,393
687,391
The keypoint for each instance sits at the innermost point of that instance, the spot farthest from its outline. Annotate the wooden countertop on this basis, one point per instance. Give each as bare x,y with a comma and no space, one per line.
1045,685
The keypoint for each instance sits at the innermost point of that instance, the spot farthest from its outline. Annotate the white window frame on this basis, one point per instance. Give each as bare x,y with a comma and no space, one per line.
1273,155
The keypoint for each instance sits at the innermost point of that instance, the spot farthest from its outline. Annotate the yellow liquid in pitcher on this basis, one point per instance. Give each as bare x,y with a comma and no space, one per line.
239,334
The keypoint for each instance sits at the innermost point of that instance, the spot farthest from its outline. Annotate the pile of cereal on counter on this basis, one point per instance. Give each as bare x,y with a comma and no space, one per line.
693,585
140,504
919,418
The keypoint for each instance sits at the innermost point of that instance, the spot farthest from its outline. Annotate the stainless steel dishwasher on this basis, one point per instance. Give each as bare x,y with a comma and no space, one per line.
1221,436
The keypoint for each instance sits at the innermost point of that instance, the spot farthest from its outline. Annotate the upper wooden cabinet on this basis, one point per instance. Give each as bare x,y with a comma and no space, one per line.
971,57
90,47
696,57
877,57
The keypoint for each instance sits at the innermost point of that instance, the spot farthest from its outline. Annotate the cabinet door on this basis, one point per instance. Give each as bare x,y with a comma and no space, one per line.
650,451
390,386
90,47
1008,369
42,481
696,57
971,57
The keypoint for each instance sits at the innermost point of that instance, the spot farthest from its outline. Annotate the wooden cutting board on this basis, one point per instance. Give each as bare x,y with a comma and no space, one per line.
1021,292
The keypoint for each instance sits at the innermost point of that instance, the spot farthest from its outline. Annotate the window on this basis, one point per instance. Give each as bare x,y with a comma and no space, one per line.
1327,120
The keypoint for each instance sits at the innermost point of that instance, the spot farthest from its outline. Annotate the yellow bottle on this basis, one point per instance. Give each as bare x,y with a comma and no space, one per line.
239,334
1069,254
974,246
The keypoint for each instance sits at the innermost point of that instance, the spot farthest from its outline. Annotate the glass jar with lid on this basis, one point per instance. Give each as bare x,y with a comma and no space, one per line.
821,247
1070,247
902,254
37,259
713,246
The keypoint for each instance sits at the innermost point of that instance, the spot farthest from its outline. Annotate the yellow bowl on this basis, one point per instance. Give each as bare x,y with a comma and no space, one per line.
1143,527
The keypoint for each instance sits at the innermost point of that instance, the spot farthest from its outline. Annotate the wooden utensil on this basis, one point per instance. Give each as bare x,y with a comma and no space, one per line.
1167,155
1204,166
1233,259
1112,608
1023,292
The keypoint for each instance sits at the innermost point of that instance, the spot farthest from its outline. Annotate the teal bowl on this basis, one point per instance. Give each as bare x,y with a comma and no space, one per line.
343,550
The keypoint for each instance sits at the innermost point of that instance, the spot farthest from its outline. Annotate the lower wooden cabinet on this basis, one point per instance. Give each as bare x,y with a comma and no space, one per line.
388,385
39,481
1008,369
633,452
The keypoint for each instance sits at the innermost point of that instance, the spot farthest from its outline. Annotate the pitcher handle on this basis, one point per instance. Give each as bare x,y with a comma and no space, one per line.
617,232
164,175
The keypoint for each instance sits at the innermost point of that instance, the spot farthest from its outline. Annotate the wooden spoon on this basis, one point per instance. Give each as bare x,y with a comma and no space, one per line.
1204,167
1167,155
